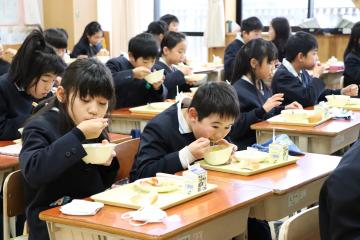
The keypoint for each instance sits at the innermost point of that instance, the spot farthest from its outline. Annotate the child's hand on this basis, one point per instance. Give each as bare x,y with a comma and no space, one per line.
113,154
186,70
351,90
273,101
157,85
103,52
294,105
140,72
199,147
92,128
318,70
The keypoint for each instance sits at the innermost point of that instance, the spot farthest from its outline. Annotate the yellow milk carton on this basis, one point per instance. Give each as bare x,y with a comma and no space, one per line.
278,152
195,179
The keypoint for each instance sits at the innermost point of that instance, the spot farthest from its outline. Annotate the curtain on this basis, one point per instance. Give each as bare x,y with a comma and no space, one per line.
215,31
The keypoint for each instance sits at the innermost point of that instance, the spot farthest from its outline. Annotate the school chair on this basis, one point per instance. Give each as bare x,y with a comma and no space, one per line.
125,154
13,204
302,226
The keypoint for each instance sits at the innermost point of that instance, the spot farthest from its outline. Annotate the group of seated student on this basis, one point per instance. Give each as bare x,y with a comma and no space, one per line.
292,78
251,28
89,44
128,74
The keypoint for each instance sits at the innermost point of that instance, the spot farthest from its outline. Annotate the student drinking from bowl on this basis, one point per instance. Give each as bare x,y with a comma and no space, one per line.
254,63
131,88
51,157
292,79
173,49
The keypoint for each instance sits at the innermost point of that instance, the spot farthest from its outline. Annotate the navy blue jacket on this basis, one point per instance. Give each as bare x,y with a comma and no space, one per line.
352,69
160,144
52,166
4,66
173,78
251,111
15,107
308,92
229,57
339,208
132,92
84,48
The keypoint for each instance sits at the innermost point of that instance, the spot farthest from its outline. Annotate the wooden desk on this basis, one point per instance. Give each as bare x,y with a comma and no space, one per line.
8,163
123,121
218,215
295,186
118,138
326,138
213,73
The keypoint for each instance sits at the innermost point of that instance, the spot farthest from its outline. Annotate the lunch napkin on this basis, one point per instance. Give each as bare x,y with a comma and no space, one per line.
81,207
282,138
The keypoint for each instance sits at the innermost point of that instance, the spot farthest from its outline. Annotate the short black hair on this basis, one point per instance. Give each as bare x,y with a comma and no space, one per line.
157,27
171,39
91,29
216,98
143,45
354,45
301,42
56,37
258,49
169,18
251,24
34,58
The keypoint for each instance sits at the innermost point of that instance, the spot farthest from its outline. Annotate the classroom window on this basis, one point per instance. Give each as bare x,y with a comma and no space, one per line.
193,18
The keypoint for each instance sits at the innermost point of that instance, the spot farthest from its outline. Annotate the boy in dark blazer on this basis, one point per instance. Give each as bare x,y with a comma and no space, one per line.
131,88
292,78
251,28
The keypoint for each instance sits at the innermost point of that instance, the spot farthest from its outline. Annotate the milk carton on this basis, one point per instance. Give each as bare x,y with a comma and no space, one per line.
195,179
278,152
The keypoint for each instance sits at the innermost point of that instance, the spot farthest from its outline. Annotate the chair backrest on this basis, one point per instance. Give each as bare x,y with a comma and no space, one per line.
125,154
304,226
14,200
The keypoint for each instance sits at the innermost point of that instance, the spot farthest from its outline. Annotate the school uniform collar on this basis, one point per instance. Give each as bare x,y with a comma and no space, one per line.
20,89
163,61
184,127
246,79
238,37
291,69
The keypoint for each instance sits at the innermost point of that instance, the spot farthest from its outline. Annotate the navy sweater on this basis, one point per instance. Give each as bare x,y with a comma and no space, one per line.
52,166
15,107
4,66
229,57
251,111
173,78
308,92
84,48
352,69
132,92
160,144
339,208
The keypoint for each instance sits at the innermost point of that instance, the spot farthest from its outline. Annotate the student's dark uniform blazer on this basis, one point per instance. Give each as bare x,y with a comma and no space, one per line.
339,207
352,69
84,48
52,166
132,92
173,78
160,144
308,92
4,66
15,107
229,57
251,111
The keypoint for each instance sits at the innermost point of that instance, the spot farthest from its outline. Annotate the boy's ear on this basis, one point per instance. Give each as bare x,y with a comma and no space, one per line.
193,114
300,56
131,56
60,94
253,63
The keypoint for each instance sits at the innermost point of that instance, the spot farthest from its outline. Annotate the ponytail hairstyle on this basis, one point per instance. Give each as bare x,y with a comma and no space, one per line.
33,59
